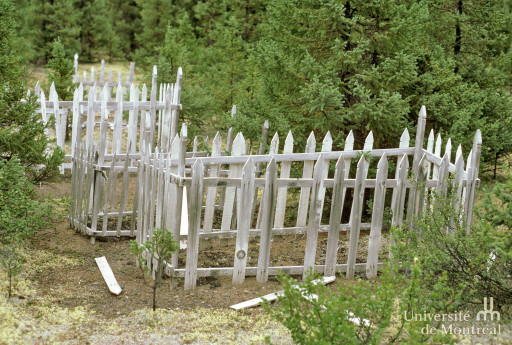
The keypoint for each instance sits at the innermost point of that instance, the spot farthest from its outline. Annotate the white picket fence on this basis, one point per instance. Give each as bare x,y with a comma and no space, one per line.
99,119
163,176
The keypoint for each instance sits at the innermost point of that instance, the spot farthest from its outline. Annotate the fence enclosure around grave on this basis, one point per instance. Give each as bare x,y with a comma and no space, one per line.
111,147
119,135
91,80
232,198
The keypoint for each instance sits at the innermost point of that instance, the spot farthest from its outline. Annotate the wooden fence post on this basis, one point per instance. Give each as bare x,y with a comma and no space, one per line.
307,172
211,194
282,191
418,153
269,205
234,172
397,207
377,215
472,176
335,218
314,218
355,215
245,200
196,199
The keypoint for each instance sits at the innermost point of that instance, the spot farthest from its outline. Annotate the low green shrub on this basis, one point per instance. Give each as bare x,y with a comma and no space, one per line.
473,266
160,247
360,311
20,214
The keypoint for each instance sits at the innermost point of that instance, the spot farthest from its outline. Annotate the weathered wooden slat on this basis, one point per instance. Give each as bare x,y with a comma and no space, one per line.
131,140
314,218
472,175
282,192
273,296
273,271
337,204
152,106
397,207
437,152
418,154
211,193
171,191
307,172
273,149
108,275
443,175
74,122
420,187
196,193
326,147
159,191
269,205
234,171
152,196
118,122
377,216
404,143
458,181
430,148
90,118
355,215
124,196
107,198
175,100
179,189
245,200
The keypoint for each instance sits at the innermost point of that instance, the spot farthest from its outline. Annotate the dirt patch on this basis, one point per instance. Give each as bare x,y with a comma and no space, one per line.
81,284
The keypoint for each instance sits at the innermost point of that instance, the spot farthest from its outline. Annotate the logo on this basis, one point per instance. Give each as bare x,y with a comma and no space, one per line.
489,311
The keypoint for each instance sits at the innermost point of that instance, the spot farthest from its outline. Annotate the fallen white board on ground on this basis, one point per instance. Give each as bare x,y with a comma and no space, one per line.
273,296
108,275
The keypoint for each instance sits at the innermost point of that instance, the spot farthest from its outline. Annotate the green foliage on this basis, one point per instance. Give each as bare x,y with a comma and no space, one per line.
52,19
21,130
97,35
125,19
496,214
440,241
20,215
358,312
11,261
161,246
60,71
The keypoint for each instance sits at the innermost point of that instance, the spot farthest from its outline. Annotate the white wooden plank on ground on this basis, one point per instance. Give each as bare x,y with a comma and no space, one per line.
108,275
273,296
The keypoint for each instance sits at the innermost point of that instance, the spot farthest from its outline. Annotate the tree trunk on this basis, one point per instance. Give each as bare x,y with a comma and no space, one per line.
154,296
458,36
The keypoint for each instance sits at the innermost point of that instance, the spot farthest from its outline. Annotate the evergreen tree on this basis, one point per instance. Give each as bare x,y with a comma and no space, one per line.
370,65
155,16
60,71
52,19
97,36
125,18
21,131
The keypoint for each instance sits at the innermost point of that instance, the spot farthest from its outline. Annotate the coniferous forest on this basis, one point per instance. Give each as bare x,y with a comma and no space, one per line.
308,65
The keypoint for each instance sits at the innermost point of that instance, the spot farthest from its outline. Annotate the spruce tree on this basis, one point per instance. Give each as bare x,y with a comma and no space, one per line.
125,18
370,65
97,36
21,129
155,16
52,19
60,71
